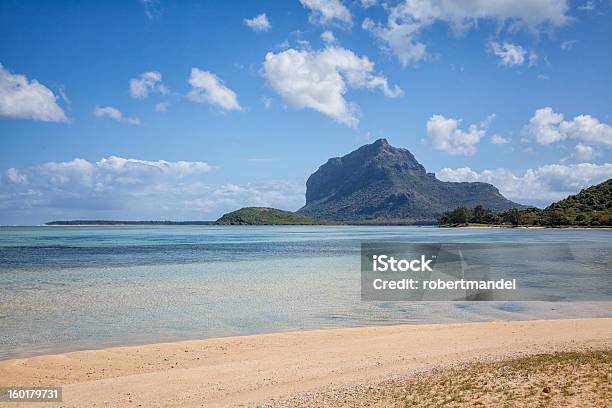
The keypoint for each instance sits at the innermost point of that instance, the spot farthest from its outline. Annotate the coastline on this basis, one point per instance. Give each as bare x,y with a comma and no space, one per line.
252,370
526,226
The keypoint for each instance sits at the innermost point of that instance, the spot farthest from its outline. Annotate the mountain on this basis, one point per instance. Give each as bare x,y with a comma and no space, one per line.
590,207
379,183
267,216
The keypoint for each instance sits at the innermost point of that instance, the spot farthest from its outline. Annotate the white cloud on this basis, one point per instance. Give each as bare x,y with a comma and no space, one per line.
588,129
540,186
282,45
499,139
319,80
368,3
162,107
445,135
544,126
24,99
15,177
207,87
258,23
509,54
284,194
178,169
114,113
149,81
584,152
405,22
267,102
547,127
328,38
399,38
123,188
151,8
327,11
568,45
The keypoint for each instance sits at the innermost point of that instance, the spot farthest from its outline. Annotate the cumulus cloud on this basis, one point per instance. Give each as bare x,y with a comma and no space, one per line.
327,11
499,139
400,35
319,80
21,98
124,188
258,23
509,54
544,126
547,126
207,87
398,38
15,177
540,186
446,135
115,114
149,81
328,38
584,152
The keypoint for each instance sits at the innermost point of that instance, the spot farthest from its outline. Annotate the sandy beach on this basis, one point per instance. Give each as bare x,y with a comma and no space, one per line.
297,368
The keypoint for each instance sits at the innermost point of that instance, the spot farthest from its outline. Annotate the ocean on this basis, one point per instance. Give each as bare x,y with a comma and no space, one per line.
71,288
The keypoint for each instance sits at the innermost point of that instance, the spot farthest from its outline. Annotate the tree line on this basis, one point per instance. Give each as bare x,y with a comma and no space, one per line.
591,207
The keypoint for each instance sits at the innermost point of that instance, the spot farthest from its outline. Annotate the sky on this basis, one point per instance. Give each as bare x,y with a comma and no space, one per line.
161,110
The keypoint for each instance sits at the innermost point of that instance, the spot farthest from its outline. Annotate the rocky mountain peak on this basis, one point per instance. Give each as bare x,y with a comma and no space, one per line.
381,182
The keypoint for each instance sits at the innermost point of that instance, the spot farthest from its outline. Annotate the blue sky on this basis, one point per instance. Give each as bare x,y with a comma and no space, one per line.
185,110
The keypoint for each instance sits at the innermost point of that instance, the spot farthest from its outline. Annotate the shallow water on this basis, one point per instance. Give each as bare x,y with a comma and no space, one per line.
68,288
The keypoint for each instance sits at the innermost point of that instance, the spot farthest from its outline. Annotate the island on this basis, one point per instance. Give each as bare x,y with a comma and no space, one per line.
268,216
119,223
591,207
379,184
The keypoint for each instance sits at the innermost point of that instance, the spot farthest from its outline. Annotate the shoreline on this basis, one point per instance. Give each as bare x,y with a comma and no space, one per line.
605,227
494,226
257,368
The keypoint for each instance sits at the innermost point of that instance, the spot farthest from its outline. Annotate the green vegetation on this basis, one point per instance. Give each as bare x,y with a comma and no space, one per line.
592,207
563,379
267,216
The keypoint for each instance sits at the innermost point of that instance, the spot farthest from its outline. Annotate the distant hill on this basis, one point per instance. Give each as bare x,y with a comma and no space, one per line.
590,207
111,222
267,216
380,184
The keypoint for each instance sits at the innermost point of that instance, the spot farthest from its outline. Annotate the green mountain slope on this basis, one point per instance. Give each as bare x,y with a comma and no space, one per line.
267,216
590,207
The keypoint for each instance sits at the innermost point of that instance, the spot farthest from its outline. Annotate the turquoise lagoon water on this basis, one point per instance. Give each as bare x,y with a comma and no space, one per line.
69,288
